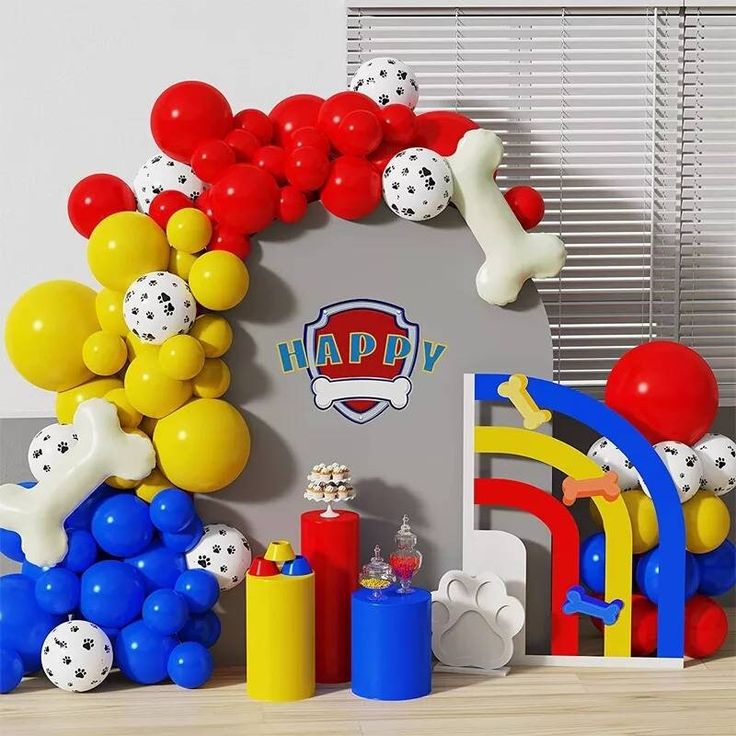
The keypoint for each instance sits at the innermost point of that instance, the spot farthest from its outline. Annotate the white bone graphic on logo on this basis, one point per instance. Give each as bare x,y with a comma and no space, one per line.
512,254
327,391
37,514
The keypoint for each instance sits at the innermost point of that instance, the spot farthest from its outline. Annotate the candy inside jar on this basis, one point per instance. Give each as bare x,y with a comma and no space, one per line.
405,560
376,575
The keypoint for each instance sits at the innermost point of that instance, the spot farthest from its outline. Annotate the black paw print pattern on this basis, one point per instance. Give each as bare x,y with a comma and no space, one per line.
671,450
216,548
231,549
720,462
88,644
37,454
60,643
222,532
80,673
690,461
383,99
74,629
62,447
203,561
223,568
66,659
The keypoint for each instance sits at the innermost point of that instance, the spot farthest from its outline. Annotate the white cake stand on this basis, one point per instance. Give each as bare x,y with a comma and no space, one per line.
329,512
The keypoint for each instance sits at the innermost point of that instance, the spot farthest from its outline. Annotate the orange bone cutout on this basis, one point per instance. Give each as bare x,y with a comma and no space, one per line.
516,392
605,485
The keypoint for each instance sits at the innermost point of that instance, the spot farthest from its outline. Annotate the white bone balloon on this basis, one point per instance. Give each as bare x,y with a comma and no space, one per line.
717,455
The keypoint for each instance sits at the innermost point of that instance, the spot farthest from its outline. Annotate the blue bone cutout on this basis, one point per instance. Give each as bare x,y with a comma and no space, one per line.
578,601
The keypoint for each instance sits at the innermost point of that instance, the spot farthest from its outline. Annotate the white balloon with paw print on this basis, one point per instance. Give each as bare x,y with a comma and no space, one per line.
386,81
223,551
684,467
157,306
717,455
48,446
160,174
606,455
417,184
76,656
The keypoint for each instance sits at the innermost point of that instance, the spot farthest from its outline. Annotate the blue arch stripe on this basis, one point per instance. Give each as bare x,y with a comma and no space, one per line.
605,421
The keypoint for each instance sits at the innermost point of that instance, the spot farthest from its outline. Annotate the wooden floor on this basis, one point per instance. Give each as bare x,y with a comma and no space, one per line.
530,701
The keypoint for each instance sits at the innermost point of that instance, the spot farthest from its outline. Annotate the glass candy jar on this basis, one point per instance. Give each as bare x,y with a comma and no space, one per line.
376,575
405,560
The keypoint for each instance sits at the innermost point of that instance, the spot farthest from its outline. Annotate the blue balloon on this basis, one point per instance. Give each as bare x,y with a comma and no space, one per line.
203,628
57,590
172,510
187,538
190,665
11,670
142,654
159,566
593,562
121,525
32,571
23,623
165,611
112,594
717,569
200,589
81,517
82,550
647,574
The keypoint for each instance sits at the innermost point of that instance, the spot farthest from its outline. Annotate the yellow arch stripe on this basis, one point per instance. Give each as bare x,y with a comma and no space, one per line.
616,524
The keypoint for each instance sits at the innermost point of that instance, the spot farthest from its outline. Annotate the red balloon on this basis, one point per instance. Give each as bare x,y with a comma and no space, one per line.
164,205
441,130
186,114
706,627
94,198
666,390
243,143
271,159
353,188
292,205
335,108
210,159
204,203
358,134
292,113
235,243
527,204
245,199
383,154
257,123
643,625
307,168
311,137
399,124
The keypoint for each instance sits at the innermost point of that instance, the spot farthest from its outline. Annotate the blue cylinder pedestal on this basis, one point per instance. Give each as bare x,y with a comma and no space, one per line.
391,644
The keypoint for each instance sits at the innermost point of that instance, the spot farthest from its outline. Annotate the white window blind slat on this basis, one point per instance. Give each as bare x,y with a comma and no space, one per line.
623,119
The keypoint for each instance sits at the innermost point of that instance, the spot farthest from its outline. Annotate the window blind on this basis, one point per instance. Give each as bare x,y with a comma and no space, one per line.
624,120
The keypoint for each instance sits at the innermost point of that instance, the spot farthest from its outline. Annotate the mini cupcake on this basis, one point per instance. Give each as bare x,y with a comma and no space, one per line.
314,492
325,473
340,473
315,476
330,493
344,492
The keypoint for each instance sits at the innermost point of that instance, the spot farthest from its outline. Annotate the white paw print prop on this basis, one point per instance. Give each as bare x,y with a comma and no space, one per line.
223,551
512,254
474,621
717,455
103,449
386,81
76,656
417,184
683,465
48,446
159,305
606,455
160,174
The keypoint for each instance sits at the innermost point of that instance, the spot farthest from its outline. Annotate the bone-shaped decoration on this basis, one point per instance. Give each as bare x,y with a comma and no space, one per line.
474,620
606,486
103,449
327,391
515,390
578,601
512,254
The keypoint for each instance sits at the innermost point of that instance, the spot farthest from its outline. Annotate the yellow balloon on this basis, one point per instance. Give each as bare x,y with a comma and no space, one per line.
643,517
181,357
215,334
189,230
123,247
707,522
203,446
121,483
219,280
128,415
45,330
213,380
151,485
137,347
68,401
181,263
104,353
109,306
151,391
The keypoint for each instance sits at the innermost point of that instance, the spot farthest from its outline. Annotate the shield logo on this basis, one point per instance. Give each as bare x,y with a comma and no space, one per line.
361,389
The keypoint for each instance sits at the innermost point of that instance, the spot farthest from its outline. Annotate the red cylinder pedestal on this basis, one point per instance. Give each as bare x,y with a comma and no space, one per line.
332,546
